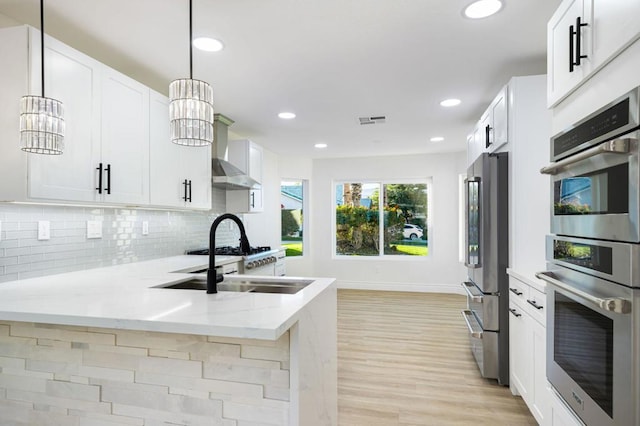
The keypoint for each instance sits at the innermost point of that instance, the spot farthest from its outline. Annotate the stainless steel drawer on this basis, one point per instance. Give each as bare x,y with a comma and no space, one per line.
484,346
484,306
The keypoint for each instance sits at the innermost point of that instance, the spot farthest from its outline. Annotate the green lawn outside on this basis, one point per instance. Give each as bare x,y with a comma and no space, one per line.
293,248
413,250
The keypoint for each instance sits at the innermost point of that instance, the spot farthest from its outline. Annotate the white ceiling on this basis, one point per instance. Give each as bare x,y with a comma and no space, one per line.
329,61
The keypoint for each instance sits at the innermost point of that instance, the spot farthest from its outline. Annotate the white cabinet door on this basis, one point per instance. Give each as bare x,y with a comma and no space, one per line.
196,167
180,175
245,200
247,156
74,79
520,357
539,399
615,25
165,186
498,109
562,77
125,139
475,145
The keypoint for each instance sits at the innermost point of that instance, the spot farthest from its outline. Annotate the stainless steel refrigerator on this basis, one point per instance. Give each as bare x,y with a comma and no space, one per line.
487,258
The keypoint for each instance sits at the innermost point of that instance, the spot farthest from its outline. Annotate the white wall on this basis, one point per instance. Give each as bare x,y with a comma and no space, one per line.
440,271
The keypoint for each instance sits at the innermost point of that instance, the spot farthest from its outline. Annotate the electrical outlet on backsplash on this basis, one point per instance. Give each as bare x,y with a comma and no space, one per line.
22,255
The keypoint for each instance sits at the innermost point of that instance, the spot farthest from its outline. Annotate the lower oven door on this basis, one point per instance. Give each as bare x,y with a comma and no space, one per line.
592,346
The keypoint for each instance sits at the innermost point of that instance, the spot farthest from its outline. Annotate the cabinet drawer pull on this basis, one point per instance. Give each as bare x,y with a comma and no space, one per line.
579,55
515,291
99,188
534,304
515,313
487,136
108,187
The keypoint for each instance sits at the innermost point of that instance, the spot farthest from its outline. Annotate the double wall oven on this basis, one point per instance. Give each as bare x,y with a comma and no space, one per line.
593,260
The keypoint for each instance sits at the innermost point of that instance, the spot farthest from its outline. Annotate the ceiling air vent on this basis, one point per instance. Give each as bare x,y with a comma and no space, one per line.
379,119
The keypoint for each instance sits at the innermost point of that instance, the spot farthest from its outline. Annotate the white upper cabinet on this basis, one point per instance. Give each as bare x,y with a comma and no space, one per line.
74,79
247,156
180,175
498,133
125,139
492,131
582,37
106,159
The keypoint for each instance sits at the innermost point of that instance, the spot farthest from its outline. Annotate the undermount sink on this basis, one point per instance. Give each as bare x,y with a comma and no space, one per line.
193,270
242,285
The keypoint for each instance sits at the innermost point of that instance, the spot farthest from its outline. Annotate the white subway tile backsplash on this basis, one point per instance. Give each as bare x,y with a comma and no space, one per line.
171,233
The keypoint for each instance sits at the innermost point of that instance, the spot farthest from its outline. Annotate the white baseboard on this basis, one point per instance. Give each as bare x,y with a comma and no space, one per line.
408,287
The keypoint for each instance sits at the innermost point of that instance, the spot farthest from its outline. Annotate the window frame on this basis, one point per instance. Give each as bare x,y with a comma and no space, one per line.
428,181
306,245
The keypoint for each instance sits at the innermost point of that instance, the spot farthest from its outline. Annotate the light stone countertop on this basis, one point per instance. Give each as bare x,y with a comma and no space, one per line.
123,297
532,281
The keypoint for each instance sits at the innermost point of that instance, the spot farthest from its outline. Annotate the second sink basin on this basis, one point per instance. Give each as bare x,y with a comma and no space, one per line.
243,285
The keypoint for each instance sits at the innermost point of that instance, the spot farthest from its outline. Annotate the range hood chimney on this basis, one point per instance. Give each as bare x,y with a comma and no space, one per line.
224,174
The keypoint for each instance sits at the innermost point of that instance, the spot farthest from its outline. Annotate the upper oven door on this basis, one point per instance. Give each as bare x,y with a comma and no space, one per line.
591,359
595,192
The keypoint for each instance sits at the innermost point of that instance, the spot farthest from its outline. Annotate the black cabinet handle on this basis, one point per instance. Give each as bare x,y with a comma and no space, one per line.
189,191
99,188
108,170
253,199
515,291
575,55
571,34
487,133
579,55
534,304
184,197
515,313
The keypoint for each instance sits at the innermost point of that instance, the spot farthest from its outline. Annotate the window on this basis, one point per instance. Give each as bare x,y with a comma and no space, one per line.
291,205
401,208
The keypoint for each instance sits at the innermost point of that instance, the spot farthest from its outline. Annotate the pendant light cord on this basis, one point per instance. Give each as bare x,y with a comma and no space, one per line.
190,40
42,43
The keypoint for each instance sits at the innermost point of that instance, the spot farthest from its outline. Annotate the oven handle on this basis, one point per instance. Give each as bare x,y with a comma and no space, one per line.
473,297
616,146
617,305
475,333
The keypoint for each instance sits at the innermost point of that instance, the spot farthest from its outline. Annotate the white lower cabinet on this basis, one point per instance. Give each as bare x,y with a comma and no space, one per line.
527,348
180,175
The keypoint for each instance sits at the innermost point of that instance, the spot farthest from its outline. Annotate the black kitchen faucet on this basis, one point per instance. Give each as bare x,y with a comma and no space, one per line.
214,278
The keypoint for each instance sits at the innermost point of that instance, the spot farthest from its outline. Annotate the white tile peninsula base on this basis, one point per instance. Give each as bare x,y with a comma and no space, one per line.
54,374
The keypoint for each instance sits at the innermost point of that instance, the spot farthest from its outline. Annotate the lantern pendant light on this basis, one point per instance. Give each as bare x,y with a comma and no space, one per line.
191,106
41,119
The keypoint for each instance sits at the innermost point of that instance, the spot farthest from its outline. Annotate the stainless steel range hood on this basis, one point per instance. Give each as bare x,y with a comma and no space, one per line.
224,174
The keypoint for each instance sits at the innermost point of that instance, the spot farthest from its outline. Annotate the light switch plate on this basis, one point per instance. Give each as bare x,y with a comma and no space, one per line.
44,230
94,229
145,227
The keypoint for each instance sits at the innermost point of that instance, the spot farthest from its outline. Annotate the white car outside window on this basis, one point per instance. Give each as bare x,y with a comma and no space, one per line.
412,232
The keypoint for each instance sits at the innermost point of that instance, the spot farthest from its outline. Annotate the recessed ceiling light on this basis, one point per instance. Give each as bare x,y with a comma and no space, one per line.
437,139
287,115
208,44
450,102
321,145
482,9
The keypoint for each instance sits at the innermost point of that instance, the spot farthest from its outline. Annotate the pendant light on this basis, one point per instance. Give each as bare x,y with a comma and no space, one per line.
191,106
41,119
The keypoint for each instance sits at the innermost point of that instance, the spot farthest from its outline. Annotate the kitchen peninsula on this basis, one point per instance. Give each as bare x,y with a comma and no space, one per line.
107,346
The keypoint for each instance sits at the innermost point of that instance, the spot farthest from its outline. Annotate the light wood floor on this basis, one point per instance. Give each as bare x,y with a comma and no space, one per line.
404,359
